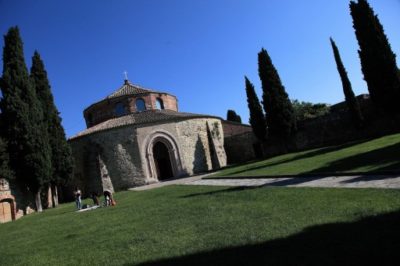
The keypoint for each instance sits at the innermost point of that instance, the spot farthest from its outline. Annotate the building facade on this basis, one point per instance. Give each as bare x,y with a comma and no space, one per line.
136,136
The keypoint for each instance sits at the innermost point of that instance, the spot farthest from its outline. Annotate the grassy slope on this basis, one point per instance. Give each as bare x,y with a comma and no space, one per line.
228,225
382,154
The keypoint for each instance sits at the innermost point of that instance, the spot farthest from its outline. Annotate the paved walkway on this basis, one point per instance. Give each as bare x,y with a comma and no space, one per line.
359,181
331,181
185,180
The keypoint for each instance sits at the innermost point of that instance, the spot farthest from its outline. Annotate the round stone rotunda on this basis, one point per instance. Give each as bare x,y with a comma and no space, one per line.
136,136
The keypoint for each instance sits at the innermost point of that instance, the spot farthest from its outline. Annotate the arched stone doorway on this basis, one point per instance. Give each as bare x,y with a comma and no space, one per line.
162,156
162,161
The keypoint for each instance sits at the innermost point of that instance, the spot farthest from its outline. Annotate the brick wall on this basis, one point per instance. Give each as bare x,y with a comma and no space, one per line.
105,109
234,128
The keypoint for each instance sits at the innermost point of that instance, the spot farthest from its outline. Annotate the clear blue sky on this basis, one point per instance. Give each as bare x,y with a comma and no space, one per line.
198,50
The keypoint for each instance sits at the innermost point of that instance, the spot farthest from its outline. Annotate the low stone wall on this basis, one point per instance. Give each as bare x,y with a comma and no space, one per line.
335,128
239,141
239,148
338,127
234,128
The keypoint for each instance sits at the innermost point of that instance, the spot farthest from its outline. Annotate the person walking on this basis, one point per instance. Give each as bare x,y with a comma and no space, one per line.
78,199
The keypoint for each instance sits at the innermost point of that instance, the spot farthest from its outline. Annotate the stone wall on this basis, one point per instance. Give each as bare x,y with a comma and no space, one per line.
120,158
107,160
338,127
334,128
192,143
234,128
239,148
239,140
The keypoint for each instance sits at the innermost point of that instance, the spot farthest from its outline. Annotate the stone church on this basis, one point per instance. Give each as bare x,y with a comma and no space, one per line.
137,136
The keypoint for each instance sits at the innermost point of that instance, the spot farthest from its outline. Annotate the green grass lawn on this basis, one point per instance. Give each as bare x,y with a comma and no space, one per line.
378,155
197,225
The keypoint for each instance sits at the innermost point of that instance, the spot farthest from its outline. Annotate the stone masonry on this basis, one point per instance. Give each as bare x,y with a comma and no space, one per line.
144,147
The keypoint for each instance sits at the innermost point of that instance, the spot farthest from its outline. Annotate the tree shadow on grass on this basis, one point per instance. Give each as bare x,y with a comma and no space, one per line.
372,240
294,181
301,156
388,157
366,178
225,190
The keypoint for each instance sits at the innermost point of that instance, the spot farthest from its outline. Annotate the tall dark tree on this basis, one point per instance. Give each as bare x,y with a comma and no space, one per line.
351,99
378,62
232,116
23,120
257,118
5,169
61,158
278,109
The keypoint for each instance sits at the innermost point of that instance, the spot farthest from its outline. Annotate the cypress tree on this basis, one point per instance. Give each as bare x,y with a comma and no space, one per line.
378,62
5,170
257,118
23,120
351,99
278,109
232,116
61,159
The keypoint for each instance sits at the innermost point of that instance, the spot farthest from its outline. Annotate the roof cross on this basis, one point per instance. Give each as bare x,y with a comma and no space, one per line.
126,75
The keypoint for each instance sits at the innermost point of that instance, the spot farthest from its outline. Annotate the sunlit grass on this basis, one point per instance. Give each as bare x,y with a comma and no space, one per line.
177,221
378,155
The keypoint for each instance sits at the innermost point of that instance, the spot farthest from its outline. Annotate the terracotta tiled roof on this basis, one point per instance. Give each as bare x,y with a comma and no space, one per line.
128,89
145,117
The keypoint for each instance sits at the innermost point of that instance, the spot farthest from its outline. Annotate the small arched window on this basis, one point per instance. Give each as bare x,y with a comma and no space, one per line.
119,109
159,104
140,105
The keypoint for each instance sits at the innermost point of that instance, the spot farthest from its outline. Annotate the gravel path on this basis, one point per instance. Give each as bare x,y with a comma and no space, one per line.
359,181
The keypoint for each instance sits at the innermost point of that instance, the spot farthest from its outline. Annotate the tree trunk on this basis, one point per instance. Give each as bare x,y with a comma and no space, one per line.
49,197
38,201
55,195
